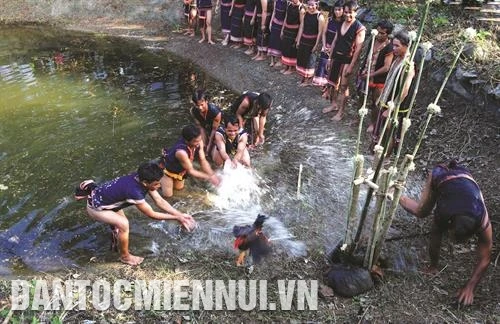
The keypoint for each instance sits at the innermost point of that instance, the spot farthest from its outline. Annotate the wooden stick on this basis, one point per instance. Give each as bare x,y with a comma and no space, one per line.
353,201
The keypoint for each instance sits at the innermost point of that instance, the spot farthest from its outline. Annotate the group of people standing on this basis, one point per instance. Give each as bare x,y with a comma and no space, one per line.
325,52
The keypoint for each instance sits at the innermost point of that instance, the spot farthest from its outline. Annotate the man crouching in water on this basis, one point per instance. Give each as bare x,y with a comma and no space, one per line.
231,144
107,201
460,209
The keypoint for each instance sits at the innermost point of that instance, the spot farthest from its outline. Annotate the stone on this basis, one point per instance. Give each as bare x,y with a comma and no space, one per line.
349,281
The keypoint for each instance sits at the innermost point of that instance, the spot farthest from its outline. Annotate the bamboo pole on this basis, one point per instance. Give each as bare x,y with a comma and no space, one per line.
398,190
378,214
353,202
366,206
406,120
433,108
363,111
299,181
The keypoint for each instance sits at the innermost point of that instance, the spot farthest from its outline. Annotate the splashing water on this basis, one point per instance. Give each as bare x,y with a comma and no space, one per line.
238,201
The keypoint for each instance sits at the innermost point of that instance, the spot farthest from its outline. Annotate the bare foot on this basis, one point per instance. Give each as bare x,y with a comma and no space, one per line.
201,40
271,64
304,84
288,72
338,116
248,51
211,42
260,58
278,64
132,260
191,35
236,46
256,56
225,42
330,108
370,128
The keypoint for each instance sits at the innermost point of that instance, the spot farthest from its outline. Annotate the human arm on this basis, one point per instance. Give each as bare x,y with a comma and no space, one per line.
242,145
330,54
324,46
231,10
263,19
358,44
252,21
221,147
284,23
242,109
408,80
215,125
301,28
184,160
261,123
466,294
424,207
321,27
171,213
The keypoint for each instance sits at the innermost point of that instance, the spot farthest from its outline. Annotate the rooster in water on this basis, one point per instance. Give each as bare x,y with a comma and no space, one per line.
251,240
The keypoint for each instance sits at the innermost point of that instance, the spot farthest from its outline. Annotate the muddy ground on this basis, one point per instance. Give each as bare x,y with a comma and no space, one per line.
467,130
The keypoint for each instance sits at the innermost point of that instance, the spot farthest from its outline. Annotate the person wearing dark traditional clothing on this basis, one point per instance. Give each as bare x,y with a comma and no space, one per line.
254,106
177,161
335,19
249,26
277,19
225,20
205,19
237,12
399,83
231,144
460,211
289,35
381,62
310,30
264,12
105,203
206,115
344,55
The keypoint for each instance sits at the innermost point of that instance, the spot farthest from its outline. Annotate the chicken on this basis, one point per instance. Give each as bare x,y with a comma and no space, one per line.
251,240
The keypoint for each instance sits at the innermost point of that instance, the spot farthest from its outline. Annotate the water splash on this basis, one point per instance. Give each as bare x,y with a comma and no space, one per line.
238,199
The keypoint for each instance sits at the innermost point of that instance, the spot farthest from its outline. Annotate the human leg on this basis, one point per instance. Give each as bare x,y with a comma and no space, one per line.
119,221
167,186
342,97
216,157
208,26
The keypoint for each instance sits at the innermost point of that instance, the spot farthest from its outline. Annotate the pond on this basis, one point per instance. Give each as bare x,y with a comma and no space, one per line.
77,106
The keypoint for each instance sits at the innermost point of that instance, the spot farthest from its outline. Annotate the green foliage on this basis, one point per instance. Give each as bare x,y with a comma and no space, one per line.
395,12
440,21
483,35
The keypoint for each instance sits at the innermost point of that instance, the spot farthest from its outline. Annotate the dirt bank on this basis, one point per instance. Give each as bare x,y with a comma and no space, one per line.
466,131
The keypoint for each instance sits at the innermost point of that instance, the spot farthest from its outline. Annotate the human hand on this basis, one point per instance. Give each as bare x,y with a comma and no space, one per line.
214,179
187,221
465,296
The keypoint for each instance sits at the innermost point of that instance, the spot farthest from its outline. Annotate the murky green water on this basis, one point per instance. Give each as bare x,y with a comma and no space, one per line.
76,106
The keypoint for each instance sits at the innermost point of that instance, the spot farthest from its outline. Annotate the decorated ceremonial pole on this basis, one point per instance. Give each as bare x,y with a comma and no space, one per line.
358,159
